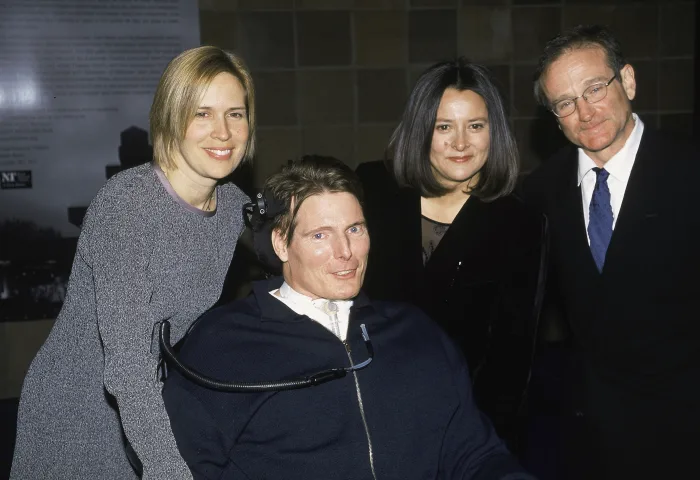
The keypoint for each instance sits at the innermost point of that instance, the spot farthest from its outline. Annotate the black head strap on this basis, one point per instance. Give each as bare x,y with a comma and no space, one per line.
259,216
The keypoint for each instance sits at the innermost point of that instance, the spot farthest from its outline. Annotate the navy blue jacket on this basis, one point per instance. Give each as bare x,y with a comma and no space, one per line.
409,415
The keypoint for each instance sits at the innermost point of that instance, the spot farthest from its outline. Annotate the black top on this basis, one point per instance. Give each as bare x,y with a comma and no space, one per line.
483,283
431,234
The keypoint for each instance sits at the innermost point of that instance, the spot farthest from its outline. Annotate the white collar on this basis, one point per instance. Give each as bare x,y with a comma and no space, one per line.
620,165
288,293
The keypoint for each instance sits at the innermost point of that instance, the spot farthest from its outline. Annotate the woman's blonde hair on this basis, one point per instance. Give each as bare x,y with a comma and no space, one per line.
180,90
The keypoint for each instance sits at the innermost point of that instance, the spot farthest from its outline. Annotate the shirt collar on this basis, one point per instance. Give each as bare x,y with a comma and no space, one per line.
271,309
286,291
620,165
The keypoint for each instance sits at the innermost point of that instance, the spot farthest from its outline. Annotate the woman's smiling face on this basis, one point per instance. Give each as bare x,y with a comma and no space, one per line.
461,138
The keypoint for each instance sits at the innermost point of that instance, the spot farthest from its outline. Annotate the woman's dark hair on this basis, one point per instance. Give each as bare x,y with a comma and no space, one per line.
581,36
408,154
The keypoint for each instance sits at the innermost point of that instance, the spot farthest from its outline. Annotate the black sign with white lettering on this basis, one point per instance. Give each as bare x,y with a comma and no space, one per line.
16,179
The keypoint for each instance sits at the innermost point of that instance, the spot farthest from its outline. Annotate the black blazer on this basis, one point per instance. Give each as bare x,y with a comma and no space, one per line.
483,284
637,324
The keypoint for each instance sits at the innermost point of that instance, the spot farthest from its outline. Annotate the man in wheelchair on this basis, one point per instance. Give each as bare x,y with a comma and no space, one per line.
330,384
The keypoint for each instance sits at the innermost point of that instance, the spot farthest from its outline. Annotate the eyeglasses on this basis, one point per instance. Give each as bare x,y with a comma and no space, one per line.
594,93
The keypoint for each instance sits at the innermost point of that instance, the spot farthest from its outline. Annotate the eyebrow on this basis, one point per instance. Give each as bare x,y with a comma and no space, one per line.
205,107
328,227
476,119
362,223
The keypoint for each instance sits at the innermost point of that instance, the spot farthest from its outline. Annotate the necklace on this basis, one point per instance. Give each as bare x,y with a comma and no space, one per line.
207,204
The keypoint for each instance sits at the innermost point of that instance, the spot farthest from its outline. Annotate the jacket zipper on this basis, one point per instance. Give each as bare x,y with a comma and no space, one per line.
362,412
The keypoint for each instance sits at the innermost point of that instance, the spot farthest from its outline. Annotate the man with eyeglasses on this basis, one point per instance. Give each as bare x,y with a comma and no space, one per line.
406,412
625,255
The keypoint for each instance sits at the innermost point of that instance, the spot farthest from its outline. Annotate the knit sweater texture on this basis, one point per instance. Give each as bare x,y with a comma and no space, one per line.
142,257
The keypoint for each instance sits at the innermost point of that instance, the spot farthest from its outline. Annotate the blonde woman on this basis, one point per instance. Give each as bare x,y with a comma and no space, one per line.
155,244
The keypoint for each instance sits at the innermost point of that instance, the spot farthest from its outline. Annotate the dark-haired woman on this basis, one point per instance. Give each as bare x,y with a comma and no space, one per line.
449,236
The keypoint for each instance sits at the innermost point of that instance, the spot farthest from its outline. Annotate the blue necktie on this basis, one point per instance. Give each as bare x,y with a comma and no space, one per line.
600,220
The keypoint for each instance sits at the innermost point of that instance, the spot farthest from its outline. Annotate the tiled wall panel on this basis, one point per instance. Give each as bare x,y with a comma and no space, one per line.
333,75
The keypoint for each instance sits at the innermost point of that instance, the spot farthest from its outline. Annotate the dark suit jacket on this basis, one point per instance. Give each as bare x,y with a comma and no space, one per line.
483,284
636,324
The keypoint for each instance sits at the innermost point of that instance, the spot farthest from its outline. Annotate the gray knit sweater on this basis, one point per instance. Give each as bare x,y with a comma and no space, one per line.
143,255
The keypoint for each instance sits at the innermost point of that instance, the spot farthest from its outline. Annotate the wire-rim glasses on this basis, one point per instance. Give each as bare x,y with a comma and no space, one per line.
594,93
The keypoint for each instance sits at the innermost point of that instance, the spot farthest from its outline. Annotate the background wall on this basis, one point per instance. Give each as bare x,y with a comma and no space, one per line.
332,75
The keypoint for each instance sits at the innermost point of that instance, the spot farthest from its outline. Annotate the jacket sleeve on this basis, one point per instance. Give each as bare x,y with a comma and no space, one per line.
119,250
504,377
471,450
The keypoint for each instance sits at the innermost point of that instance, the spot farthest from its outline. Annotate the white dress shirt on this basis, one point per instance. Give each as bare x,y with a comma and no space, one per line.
619,167
314,309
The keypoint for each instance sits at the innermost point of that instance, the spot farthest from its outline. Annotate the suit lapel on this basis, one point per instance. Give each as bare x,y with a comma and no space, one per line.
640,201
569,208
